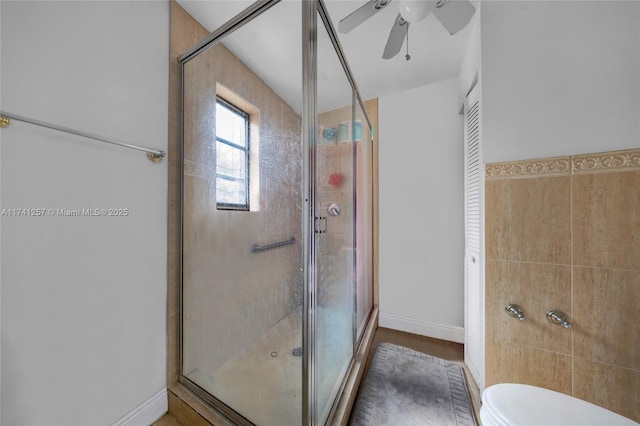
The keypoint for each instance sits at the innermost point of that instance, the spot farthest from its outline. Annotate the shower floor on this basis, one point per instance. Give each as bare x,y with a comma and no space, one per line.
264,388
264,384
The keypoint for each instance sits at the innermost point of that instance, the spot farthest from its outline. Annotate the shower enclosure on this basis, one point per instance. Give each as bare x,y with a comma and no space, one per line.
276,212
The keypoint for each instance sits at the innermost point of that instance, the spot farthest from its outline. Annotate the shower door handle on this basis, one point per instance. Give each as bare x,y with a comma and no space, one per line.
321,224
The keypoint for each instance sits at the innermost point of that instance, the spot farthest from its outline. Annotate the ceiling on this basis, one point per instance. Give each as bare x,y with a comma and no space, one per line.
271,46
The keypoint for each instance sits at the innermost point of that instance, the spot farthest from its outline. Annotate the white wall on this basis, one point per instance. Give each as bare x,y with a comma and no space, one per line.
470,67
83,298
559,77
421,211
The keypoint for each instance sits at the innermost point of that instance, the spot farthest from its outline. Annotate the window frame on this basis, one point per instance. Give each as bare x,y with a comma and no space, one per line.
245,149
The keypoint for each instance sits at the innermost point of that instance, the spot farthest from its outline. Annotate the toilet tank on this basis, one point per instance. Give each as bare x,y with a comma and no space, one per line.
511,404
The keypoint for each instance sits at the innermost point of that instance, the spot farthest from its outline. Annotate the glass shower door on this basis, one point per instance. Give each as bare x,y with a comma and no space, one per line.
335,226
242,285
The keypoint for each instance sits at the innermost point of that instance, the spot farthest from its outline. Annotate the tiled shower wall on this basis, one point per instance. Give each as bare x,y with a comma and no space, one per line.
564,233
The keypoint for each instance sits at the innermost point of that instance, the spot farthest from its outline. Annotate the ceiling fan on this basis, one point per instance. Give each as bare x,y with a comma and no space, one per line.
454,15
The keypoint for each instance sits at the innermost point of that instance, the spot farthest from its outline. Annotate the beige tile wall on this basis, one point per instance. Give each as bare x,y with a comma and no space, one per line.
564,233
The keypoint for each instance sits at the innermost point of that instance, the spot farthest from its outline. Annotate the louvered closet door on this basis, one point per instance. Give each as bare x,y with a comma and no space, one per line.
474,297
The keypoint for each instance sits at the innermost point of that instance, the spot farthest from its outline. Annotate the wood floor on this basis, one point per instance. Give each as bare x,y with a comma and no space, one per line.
166,420
440,348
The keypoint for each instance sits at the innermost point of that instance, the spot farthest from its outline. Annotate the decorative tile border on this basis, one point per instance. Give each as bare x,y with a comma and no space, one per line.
541,167
557,166
606,161
193,168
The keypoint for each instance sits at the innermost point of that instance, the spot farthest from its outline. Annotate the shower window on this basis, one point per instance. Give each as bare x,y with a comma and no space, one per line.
232,161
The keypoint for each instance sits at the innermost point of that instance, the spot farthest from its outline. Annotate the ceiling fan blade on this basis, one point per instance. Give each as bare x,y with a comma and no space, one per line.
396,37
455,14
361,14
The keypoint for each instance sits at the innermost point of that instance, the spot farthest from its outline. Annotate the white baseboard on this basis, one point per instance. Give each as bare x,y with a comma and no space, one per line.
147,412
450,333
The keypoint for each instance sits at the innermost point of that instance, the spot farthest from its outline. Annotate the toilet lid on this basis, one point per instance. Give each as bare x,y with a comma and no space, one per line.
513,404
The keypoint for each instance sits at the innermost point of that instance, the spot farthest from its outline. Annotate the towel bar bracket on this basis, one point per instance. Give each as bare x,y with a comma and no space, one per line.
156,158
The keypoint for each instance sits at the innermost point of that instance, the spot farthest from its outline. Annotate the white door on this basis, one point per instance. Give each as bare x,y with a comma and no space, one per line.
474,282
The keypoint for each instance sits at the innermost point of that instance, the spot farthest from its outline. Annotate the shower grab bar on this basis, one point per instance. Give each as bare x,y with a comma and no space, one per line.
153,154
256,248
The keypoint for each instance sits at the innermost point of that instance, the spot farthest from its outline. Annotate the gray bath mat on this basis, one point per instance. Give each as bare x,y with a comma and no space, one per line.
405,388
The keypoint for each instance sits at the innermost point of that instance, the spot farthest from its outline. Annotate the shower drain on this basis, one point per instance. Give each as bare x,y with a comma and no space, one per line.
297,351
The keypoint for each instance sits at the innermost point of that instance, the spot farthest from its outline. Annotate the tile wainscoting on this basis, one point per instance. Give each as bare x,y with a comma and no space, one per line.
564,233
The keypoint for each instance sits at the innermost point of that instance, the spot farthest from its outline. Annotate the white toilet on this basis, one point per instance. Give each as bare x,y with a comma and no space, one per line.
510,404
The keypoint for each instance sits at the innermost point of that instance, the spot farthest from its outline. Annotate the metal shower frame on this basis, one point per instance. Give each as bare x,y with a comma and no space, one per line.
311,9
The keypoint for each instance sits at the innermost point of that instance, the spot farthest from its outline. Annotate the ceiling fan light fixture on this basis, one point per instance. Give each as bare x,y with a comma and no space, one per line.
416,10
454,15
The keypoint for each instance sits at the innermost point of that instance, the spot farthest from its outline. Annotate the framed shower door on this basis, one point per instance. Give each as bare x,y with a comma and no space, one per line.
242,280
276,221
